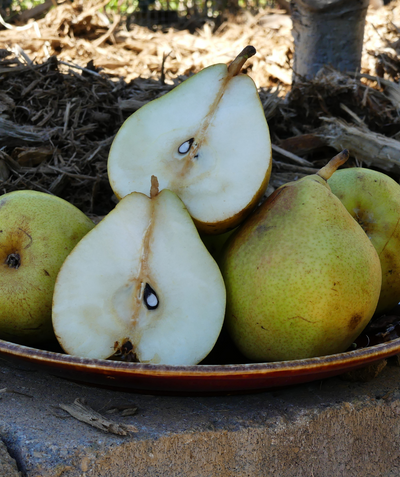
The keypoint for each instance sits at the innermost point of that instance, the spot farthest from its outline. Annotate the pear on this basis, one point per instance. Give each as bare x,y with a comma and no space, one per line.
302,277
207,140
215,243
37,232
141,286
373,199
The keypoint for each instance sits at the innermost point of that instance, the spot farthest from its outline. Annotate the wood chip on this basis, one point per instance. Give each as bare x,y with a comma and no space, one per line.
84,413
371,148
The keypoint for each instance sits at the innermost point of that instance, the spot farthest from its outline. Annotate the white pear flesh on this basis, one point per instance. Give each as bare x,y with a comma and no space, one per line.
207,140
99,303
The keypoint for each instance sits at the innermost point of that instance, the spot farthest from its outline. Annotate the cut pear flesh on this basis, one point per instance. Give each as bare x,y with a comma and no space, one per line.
142,284
207,140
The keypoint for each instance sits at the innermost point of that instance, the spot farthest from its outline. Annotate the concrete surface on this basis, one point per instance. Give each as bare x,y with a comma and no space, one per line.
330,428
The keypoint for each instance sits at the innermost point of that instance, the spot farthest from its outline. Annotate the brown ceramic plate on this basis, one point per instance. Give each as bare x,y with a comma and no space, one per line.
201,379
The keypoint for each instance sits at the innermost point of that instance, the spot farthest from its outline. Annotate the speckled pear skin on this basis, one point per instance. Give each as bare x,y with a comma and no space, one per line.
41,230
373,200
302,277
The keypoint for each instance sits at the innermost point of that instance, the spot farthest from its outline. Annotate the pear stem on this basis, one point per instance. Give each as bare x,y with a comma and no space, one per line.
333,164
154,189
237,64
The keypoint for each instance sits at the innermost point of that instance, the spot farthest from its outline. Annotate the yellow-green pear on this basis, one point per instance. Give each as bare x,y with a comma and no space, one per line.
373,199
302,277
37,232
207,140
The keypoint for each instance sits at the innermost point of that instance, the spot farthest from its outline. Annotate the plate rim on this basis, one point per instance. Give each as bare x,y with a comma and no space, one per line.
307,365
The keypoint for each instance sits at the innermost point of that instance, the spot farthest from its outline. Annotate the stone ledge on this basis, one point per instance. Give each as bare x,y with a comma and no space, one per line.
326,428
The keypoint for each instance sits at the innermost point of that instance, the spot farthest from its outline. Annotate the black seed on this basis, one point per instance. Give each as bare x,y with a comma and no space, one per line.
184,148
150,298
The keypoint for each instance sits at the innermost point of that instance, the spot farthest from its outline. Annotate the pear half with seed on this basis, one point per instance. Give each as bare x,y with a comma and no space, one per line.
141,285
207,140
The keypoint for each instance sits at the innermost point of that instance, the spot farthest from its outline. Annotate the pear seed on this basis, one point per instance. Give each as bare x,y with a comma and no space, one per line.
150,298
184,148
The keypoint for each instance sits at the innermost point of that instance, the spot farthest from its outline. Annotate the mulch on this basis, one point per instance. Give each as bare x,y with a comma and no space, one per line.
70,79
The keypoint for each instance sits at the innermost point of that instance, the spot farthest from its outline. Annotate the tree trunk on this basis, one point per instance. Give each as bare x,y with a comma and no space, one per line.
327,32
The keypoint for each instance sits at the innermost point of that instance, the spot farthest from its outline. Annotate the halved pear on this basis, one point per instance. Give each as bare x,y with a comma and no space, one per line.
142,284
207,140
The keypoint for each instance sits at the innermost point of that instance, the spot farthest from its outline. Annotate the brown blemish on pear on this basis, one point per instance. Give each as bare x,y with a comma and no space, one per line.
29,237
354,321
201,136
301,318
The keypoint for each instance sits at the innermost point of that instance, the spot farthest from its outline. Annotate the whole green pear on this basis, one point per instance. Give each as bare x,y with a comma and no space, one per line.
302,277
37,232
373,199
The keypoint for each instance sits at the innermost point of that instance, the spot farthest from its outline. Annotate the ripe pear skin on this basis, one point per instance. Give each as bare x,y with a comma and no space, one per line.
302,278
37,232
373,200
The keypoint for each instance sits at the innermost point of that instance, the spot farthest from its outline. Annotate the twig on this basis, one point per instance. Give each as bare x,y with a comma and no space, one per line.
17,28
357,119
291,156
86,70
103,38
76,176
164,58
294,168
84,413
